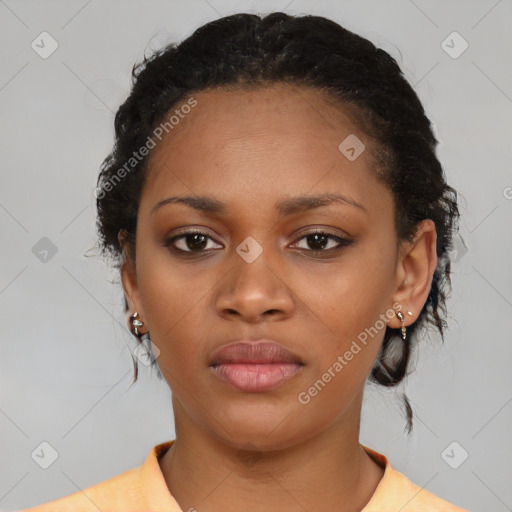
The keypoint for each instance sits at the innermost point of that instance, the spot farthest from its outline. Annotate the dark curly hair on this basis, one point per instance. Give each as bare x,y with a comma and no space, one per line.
246,51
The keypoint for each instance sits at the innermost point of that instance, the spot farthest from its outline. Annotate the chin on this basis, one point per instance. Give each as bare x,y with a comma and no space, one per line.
267,435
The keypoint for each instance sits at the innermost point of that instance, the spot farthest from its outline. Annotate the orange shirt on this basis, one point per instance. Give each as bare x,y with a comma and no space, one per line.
143,489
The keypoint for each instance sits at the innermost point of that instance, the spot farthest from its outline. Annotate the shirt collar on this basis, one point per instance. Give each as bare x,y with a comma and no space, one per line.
153,485
158,498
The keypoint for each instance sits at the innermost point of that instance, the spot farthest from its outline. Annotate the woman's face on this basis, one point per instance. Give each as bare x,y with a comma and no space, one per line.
253,272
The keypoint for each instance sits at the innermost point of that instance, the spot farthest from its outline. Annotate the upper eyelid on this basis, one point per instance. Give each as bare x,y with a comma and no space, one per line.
301,235
313,231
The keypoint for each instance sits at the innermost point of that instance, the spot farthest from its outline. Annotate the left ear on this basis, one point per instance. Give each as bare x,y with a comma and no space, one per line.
416,265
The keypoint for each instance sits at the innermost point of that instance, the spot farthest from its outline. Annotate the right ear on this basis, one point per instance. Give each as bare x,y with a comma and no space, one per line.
129,276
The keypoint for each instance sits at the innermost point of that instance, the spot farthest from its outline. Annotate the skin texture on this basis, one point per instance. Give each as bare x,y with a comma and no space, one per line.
236,450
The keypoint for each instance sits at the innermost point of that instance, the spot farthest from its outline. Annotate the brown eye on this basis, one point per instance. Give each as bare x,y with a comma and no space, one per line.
321,241
193,241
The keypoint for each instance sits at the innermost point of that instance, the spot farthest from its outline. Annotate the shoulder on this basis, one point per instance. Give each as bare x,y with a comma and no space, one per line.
396,493
140,488
418,499
121,492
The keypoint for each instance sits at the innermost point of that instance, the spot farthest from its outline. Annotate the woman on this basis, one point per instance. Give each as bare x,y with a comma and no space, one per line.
296,162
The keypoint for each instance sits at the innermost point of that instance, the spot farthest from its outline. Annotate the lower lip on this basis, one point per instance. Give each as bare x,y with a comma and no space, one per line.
256,377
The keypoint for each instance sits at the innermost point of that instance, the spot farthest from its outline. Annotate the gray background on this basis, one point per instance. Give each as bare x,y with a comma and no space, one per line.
65,365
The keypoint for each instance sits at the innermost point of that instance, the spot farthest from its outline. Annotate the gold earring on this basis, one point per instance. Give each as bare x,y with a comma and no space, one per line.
135,323
400,315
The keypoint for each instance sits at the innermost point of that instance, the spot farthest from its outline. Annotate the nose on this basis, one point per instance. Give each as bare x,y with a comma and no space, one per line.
255,292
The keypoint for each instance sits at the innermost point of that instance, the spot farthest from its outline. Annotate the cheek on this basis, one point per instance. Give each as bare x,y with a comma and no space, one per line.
342,362
172,297
347,298
350,311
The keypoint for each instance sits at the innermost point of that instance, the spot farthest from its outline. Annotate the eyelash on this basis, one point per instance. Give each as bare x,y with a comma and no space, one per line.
341,241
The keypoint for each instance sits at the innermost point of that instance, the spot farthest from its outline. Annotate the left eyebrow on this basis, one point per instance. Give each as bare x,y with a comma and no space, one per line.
284,207
303,203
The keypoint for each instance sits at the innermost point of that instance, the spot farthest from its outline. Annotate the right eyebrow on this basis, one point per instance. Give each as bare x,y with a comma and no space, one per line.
201,203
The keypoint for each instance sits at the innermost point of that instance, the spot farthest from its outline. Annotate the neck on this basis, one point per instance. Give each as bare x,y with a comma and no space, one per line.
327,471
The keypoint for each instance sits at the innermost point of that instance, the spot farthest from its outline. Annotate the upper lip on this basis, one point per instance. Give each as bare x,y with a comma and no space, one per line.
259,351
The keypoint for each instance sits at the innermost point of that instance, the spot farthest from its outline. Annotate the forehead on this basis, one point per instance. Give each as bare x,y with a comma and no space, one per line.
257,142
237,120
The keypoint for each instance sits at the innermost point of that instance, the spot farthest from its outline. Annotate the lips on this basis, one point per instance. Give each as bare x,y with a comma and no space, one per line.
255,366
254,352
